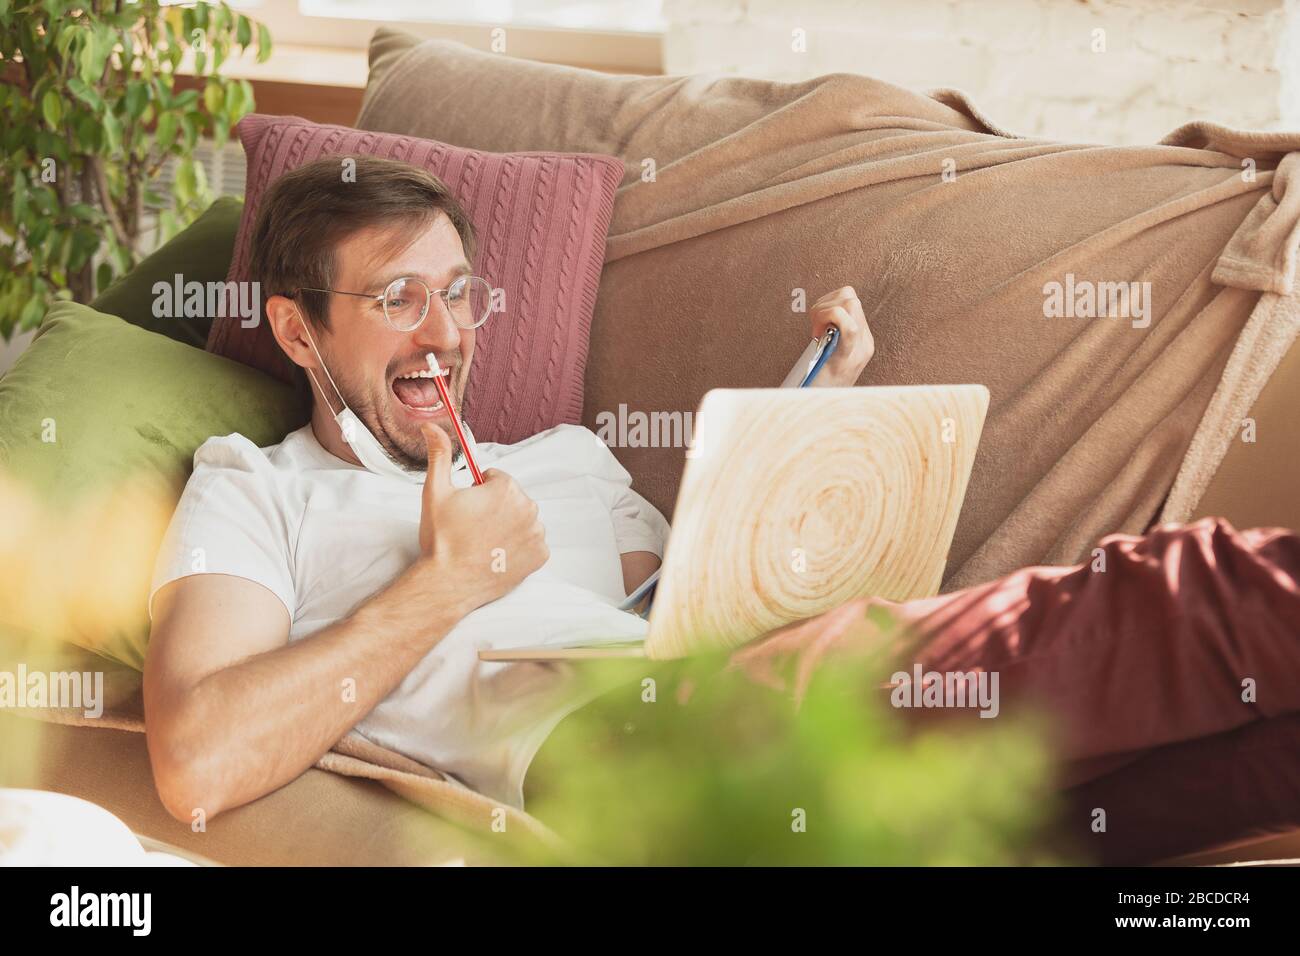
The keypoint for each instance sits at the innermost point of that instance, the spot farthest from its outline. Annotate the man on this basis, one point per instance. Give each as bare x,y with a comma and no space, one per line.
362,531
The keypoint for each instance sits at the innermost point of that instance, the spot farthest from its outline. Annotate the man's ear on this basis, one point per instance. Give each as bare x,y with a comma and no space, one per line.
283,315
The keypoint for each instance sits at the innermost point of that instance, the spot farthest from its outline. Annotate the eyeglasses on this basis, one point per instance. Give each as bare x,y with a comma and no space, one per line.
405,301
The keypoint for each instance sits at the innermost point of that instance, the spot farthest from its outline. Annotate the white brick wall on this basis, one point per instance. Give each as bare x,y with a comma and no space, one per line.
1029,64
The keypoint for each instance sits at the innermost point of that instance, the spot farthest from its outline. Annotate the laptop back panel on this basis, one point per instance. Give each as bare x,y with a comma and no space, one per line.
794,502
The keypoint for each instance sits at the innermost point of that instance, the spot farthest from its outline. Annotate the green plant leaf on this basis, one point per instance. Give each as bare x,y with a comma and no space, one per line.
84,244
126,40
61,247
166,130
112,133
220,131
263,43
121,258
234,101
30,317
167,225
190,127
66,38
214,97
82,91
52,109
38,88
98,86
103,276
88,59
137,98
218,19
185,184
200,181
44,199
90,134
161,85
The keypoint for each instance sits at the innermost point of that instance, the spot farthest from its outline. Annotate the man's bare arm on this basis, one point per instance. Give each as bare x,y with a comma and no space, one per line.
637,566
234,711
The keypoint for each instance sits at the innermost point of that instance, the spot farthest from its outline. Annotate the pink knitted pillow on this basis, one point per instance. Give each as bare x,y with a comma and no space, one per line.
541,220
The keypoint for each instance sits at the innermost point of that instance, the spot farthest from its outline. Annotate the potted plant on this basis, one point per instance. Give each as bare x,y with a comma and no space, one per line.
98,96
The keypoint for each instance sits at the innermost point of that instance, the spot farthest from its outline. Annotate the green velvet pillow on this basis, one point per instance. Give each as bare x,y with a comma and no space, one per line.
201,252
99,422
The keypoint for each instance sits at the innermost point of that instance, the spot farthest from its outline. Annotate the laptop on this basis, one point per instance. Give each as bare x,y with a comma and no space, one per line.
794,501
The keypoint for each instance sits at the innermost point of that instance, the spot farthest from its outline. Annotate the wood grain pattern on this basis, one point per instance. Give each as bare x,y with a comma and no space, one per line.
826,495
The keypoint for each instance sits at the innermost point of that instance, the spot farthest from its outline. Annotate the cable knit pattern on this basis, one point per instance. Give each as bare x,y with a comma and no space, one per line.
561,334
494,260
523,355
541,220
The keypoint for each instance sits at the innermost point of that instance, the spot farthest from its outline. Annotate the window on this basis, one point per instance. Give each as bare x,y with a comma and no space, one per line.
616,35
632,16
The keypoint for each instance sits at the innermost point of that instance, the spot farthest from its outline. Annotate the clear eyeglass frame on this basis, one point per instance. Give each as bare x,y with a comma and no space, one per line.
457,298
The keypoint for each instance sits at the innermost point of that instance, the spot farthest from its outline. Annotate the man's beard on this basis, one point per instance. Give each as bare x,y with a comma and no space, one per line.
416,464
366,411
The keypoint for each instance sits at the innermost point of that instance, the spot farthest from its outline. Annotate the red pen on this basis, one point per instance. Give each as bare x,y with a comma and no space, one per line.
438,376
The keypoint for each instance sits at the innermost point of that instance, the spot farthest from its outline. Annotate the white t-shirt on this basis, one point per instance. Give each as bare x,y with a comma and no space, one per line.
324,535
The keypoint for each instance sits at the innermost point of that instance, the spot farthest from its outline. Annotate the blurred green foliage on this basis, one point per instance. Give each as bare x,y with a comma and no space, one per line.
92,114
719,770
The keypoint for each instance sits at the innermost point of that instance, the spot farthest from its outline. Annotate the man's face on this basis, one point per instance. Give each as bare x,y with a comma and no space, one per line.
369,359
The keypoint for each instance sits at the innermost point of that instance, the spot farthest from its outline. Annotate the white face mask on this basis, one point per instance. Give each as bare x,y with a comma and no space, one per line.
363,443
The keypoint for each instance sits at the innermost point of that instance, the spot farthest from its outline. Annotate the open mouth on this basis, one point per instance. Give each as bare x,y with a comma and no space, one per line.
418,394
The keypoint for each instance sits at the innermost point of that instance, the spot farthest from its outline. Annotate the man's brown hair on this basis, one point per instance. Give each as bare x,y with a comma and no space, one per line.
307,212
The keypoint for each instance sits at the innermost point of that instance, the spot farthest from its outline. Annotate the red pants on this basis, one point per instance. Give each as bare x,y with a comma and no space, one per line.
1173,675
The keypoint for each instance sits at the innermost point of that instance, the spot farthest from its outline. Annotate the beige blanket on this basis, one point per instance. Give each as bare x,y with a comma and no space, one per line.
742,195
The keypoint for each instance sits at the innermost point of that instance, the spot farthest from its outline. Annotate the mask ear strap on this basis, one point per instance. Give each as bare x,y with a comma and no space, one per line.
323,366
